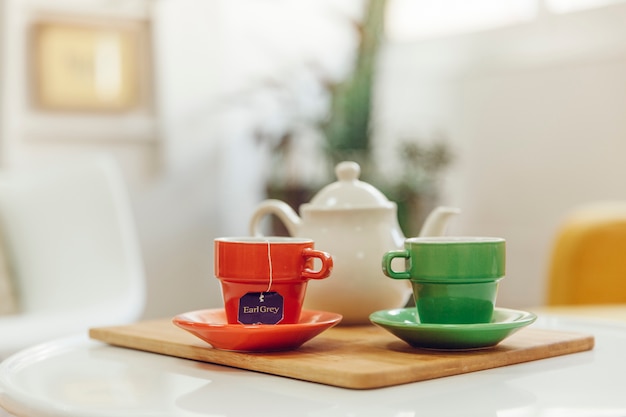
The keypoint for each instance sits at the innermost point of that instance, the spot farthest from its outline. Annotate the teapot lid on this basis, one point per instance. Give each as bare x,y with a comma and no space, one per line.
349,192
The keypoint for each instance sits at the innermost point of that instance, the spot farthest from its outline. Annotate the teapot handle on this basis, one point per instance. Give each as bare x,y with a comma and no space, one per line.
281,210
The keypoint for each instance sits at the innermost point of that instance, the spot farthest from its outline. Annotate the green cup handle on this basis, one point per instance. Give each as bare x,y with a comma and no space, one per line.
391,255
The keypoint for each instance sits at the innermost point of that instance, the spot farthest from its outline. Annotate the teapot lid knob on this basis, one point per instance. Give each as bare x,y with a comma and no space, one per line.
348,192
347,171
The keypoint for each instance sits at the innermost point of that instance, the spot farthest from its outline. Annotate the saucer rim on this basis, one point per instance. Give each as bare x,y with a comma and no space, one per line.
329,318
257,338
526,318
455,337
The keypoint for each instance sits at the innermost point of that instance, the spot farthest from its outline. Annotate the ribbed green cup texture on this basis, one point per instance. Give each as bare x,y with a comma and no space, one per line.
455,279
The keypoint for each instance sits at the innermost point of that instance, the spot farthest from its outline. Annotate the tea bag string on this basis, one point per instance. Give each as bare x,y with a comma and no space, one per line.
269,261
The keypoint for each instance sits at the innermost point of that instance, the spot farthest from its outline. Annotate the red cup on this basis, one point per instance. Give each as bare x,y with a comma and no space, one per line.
264,279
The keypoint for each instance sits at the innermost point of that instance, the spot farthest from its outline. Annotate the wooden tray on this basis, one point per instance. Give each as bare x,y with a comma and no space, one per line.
358,357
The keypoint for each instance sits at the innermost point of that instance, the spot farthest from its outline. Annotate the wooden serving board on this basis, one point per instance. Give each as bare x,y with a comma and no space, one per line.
358,357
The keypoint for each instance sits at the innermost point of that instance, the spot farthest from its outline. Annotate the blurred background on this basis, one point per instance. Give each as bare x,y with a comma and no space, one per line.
512,110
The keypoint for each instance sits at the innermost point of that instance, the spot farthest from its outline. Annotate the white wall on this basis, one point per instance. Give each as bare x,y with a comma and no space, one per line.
190,155
536,113
168,148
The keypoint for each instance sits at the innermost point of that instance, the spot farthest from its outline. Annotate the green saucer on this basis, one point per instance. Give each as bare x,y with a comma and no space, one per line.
403,323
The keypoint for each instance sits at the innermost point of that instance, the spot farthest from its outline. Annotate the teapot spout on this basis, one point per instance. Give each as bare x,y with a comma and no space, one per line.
437,221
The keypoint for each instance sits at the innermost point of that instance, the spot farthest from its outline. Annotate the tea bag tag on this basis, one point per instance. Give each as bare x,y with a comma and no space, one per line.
261,308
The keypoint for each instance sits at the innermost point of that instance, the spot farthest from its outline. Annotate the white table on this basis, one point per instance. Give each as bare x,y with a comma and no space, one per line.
84,378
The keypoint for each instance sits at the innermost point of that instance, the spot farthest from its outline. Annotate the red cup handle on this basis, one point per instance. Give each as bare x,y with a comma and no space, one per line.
326,268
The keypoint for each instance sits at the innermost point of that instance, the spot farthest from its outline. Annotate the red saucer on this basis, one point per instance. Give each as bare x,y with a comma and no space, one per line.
212,327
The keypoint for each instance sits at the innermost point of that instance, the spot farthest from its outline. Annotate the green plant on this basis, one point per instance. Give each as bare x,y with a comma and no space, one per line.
347,133
348,128
416,187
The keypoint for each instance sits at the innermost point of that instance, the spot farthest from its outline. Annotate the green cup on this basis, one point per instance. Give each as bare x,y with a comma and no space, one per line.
455,279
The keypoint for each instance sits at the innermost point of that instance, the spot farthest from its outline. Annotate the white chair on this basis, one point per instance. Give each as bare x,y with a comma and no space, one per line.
72,248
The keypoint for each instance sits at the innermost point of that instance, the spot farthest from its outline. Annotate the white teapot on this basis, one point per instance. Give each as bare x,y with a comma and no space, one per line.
356,224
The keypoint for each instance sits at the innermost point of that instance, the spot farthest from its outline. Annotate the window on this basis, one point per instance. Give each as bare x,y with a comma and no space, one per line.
419,19
409,20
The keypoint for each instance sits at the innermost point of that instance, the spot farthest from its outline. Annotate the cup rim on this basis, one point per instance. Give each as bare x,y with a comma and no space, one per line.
262,240
455,240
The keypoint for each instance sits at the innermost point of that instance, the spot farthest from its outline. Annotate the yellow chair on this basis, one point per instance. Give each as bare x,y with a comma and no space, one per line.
588,263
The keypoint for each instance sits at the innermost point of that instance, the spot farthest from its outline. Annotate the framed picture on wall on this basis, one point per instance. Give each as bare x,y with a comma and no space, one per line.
82,67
